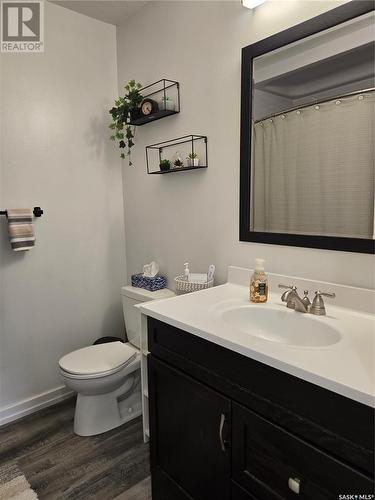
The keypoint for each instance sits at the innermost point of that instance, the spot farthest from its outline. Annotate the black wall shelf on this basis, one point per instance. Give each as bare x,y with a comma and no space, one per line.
180,169
142,120
166,93
179,148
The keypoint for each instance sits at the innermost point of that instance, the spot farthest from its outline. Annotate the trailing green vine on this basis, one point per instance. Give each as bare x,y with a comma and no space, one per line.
126,108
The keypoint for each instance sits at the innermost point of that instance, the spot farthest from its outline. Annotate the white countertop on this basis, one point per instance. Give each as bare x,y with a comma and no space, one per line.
346,367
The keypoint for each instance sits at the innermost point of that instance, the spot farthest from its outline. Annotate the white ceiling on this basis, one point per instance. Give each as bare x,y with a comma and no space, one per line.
113,12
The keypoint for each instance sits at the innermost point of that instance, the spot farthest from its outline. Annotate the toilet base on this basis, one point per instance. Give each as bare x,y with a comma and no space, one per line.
95,414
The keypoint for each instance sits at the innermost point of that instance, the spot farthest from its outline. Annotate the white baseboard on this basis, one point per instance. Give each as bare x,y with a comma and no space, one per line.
33,404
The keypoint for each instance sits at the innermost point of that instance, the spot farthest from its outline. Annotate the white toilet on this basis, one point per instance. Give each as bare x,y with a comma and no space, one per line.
107,377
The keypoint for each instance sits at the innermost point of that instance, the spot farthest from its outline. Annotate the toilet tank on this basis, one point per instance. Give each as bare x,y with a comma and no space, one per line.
130,297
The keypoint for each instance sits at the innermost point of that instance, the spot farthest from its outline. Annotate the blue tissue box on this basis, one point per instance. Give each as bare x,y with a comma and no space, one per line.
151,284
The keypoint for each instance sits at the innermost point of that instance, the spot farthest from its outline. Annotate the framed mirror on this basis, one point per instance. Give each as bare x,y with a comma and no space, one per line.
307,133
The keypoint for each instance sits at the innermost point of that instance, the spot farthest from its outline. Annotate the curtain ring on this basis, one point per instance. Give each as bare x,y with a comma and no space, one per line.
338,102
317,107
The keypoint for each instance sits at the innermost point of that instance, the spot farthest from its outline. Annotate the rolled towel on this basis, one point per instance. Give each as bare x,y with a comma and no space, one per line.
20,228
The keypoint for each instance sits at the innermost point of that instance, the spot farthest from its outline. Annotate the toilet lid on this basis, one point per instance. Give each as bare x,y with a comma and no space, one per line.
98,358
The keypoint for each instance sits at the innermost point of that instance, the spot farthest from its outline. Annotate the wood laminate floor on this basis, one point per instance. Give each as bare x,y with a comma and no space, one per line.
60,465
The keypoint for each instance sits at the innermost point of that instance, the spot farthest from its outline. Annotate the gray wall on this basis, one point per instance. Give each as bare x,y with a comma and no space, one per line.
64,293
193,216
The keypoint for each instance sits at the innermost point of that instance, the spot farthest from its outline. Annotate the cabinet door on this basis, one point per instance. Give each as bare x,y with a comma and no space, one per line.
239,493
271,463
190,427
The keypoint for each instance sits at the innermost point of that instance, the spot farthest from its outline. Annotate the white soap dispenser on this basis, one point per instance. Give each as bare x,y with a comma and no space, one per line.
186,271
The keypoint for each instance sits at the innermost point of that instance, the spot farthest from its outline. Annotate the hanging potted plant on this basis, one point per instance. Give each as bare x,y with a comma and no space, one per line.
192,160
126,109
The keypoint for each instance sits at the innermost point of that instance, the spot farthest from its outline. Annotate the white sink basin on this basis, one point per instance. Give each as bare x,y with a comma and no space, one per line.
282,326
335,351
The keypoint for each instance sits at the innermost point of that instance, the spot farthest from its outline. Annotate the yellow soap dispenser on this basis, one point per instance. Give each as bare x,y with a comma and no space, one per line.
259,283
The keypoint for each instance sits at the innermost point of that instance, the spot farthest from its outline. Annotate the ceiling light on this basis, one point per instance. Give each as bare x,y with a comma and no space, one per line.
251,4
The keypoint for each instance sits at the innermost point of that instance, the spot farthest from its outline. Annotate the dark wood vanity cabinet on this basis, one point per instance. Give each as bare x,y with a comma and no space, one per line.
226,427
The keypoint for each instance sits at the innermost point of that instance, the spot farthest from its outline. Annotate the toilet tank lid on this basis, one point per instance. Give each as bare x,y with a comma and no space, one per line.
143,295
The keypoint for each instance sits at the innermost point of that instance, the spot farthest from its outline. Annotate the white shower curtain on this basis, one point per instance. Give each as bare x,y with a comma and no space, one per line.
313,170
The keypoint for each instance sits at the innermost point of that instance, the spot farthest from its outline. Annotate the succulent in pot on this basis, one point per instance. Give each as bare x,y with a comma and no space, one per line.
178,163
165,165
192,160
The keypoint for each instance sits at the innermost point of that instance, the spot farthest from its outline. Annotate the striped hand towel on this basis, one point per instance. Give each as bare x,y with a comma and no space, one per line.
21,230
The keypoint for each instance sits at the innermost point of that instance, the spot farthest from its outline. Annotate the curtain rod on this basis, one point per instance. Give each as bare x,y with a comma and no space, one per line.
326,99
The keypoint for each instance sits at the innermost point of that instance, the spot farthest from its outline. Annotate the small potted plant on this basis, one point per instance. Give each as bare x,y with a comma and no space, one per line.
165,165
178,163
167,103
192,160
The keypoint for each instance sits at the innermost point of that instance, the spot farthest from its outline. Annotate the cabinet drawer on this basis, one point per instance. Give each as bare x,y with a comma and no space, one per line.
265,458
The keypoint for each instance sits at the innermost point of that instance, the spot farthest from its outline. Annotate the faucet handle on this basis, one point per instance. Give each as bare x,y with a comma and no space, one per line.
318,306
288,287
284,297
326,294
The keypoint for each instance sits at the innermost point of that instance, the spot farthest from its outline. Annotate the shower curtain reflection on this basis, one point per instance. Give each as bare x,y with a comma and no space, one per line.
313,170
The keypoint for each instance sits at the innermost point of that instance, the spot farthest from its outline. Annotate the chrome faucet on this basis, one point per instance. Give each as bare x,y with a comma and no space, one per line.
294,301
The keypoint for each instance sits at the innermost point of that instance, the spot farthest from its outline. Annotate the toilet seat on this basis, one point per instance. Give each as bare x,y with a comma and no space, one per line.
98,360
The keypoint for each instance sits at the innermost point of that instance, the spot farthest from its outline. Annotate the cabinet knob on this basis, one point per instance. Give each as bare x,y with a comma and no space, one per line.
294,484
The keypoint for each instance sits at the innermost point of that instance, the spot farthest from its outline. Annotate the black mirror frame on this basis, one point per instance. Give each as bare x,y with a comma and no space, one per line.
317,24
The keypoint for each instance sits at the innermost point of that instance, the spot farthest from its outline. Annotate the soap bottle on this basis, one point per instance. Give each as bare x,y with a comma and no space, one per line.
186,271
259,283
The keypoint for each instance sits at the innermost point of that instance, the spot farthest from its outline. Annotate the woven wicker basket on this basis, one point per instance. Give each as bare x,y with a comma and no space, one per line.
183,286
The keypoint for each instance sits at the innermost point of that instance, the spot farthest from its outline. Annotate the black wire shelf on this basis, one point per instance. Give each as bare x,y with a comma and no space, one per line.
166,96
179,169
188,152
151,118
